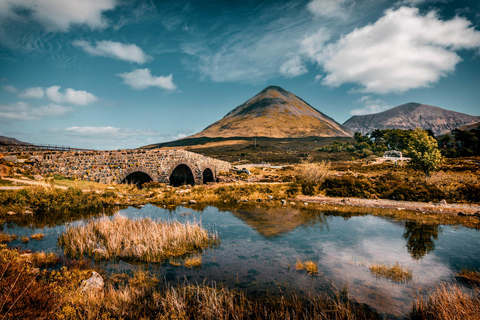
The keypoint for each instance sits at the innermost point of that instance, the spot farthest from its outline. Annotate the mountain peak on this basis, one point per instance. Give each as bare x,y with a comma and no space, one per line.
410,116
274,112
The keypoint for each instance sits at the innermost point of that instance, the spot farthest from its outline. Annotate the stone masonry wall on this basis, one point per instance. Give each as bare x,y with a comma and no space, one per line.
114,166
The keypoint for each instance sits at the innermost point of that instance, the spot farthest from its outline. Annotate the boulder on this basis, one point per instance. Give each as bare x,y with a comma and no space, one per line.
269,197
284,202
192,201
11,159
442,202
95,282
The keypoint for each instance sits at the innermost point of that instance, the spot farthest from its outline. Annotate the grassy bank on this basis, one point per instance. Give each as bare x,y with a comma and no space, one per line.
447,302
141,240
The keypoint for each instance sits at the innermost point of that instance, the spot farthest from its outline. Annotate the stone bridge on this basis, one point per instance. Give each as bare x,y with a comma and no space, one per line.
174,167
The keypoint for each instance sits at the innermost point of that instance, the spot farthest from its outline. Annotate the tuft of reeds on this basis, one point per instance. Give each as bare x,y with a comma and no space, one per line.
37,236
447,301
308,265
143,239
470,275
193,262
25,239
5,237
395,273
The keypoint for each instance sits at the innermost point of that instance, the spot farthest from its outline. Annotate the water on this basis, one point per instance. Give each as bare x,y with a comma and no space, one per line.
259,248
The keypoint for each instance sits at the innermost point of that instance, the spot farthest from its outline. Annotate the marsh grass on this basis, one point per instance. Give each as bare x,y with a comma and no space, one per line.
447,302
37,236
193,262
470,275
395,273
308,265
5,237
45,200
25,239
141,240
141,299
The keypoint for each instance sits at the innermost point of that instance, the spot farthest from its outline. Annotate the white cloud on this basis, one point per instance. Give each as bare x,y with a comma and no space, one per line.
116,50
32,93
330,8
293,67
141,79
179,136
250,52
9,88
317,78
70,96
370,106
23,111
401,51
108,137
59,15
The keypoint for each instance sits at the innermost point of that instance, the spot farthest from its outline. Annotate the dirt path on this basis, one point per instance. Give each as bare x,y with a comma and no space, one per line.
450,208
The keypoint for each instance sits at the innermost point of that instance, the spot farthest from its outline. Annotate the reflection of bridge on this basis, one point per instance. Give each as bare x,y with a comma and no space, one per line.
175,167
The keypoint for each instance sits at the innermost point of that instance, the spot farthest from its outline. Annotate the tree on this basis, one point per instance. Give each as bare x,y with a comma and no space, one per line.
423,151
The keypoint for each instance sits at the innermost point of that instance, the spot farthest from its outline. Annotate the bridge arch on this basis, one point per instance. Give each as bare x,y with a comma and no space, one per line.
181,174
208,175
138,176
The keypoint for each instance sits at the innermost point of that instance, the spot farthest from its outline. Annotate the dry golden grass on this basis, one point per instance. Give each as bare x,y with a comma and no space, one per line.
37,236
395,273
175,263
193,262
448,302
25,239
140,299
143,239
449,181
470,275
308,265
5,238
312,172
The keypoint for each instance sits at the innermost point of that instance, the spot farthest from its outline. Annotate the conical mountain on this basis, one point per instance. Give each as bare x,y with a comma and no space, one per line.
410,116
274,113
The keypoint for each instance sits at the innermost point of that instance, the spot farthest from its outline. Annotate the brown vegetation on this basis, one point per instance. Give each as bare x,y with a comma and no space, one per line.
142,239
395,273
308,265
447,302
472,276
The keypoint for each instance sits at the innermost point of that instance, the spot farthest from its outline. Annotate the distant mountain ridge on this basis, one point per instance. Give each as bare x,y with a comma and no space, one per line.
8,140
274,113
410,116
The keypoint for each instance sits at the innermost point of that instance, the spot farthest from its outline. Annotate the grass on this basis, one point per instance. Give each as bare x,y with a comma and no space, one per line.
141,299
45,200
193,262
308,265
5,237
37,236
141,240
25,239
395,273
27,292
470,275
447,302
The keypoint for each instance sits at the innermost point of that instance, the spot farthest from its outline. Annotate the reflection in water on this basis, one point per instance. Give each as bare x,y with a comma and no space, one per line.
272,222
420,238
259,246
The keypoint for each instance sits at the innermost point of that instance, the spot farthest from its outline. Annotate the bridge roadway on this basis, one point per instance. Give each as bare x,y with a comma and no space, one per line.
174,167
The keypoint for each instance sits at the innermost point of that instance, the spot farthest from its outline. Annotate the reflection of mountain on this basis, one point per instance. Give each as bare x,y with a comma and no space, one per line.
420,238
272,222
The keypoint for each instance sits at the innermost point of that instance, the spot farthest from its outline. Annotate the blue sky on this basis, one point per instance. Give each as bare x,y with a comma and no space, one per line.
108,74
